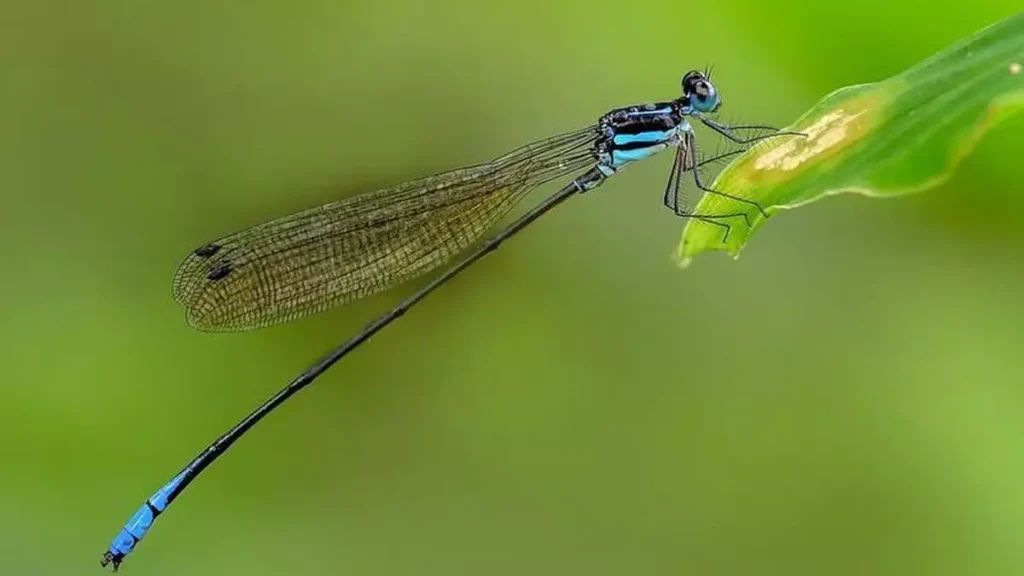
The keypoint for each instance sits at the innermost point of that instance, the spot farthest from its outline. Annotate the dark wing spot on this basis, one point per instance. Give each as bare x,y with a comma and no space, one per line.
207,251
219,271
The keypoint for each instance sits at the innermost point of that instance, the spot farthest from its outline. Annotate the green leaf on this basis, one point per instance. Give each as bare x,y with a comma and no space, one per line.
902,135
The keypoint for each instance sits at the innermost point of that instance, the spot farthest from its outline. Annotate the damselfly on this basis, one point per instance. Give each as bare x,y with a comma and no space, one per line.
313,260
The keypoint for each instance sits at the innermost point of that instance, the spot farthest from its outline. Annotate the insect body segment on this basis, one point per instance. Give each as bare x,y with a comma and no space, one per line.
137,526
638,132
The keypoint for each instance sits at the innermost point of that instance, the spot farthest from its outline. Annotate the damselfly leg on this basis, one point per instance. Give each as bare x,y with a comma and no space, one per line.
673,190
692,151
729,131
688,159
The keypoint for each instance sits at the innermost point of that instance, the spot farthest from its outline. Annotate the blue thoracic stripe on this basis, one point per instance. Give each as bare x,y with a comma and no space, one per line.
656,112
623,157
651,137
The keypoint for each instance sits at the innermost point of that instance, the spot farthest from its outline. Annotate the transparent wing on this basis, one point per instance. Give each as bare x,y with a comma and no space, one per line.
313,260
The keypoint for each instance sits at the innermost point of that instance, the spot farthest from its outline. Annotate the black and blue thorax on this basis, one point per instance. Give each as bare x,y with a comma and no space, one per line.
637,132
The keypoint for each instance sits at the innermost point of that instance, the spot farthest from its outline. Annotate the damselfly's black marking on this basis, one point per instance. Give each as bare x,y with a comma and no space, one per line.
207,251
219,271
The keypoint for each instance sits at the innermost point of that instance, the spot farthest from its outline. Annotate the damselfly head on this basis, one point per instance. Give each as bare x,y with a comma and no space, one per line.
701,92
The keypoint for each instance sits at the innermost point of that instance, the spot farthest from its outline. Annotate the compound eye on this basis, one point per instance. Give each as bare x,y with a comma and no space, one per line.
705,97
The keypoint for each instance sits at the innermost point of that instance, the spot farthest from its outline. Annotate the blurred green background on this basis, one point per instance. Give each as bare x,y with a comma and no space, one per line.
844,399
